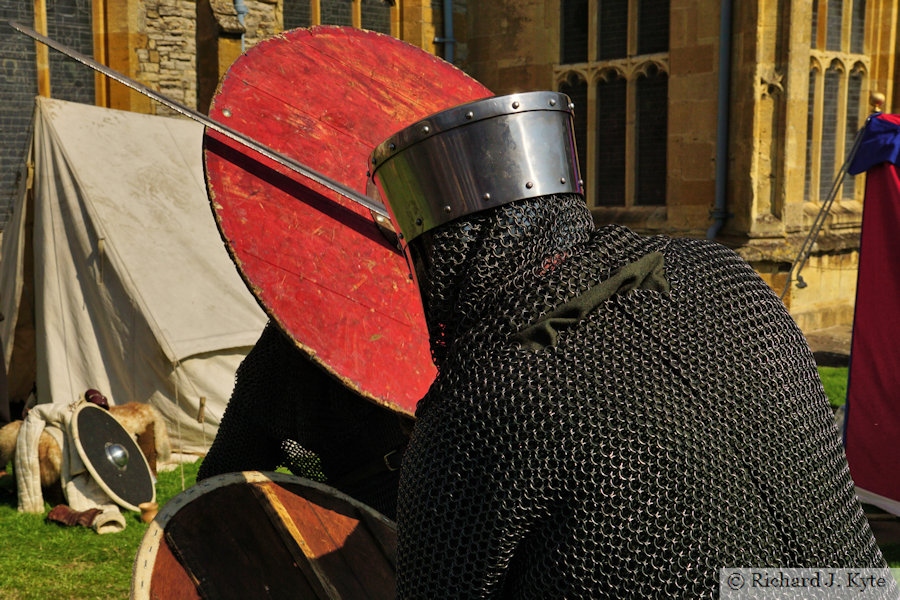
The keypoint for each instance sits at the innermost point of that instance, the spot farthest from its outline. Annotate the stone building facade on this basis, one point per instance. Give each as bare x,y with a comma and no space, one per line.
181,48
177,47
646,79
687,123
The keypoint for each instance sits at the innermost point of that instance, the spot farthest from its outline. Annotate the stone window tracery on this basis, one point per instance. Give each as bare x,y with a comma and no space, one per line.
837,88
374,15
614,64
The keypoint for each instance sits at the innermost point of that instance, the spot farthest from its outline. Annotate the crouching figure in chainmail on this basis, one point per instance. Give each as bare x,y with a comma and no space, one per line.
286,410
614,416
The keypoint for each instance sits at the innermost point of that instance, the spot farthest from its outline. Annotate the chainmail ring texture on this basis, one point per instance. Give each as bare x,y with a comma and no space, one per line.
665,435
287,411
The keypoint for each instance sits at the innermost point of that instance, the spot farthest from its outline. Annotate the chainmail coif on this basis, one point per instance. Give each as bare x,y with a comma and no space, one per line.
665,435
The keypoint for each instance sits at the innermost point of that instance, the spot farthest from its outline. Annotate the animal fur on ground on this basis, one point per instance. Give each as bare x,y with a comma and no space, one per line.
135,417
49,452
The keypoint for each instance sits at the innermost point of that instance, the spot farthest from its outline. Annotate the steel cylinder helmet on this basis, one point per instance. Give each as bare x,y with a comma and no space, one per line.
474,157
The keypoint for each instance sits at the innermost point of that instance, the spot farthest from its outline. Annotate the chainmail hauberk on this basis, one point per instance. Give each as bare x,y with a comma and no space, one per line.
285,410
614,416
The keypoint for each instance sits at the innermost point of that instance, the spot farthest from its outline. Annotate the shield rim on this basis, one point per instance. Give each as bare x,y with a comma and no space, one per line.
76,437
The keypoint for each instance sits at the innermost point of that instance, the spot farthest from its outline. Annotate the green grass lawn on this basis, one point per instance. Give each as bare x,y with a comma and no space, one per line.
835,381
892,555
41,560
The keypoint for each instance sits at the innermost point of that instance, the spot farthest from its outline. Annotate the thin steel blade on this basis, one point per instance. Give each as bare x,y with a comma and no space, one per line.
285,161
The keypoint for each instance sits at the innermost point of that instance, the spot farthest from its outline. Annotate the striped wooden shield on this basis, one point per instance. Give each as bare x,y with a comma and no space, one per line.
318,263
265,535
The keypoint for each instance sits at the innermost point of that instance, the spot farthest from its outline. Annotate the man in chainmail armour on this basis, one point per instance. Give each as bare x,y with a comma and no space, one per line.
285,410
614,416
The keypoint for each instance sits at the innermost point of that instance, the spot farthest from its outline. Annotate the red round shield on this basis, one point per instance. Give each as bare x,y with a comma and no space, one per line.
318,263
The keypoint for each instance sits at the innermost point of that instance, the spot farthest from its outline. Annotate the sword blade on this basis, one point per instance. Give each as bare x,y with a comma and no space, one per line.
278,157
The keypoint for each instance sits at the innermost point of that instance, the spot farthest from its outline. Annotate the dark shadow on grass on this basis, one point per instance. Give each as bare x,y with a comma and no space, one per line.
891,554
8,495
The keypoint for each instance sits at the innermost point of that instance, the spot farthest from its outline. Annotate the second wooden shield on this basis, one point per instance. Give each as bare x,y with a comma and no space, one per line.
265,535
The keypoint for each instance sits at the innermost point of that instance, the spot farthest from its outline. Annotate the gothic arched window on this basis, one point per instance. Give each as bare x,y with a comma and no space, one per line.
837,87
614,61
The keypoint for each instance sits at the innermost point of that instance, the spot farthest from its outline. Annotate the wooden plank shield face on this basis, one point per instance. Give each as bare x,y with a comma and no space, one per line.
265,535
318,263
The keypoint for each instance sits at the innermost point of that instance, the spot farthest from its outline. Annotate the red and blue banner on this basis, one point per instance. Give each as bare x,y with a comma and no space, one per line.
872,420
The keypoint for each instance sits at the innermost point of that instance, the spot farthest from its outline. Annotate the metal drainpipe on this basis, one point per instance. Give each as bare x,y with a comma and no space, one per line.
242,11
447,40
720,212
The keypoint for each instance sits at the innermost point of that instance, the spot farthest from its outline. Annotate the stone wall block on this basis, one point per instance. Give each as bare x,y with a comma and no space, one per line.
700,192
177,24
690,218
696,161
695,59
692,88
682,27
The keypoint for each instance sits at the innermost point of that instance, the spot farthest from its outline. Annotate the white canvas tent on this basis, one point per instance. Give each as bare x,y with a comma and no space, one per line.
134,292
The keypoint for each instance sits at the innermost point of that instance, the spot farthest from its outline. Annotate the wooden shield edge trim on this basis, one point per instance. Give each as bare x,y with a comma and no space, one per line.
73,427
145,558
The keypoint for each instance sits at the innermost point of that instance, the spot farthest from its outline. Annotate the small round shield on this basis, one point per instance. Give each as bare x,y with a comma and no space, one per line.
112,457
